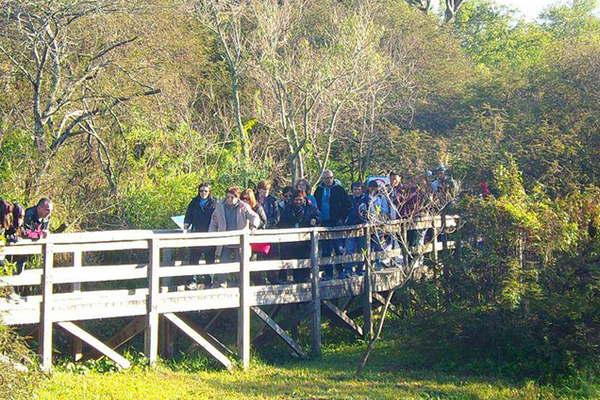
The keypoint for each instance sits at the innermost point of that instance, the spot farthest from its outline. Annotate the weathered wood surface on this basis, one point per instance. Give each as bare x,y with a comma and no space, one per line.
145,301
124,303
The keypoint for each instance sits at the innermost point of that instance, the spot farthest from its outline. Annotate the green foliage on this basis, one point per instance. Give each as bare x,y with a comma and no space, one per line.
491,36
15,382
392,374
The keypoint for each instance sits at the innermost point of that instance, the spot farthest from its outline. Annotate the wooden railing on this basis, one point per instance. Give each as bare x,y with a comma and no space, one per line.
63,294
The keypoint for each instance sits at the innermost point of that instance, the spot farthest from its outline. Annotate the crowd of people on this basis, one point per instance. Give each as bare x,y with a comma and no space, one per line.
329,205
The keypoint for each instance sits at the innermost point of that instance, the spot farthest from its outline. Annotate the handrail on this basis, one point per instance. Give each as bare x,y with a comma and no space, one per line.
27,246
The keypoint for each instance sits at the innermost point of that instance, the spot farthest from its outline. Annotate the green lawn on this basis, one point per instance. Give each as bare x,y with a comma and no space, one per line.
332,377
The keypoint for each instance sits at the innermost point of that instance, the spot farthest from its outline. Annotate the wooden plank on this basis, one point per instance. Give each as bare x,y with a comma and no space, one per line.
200,242
129,331
95,343
133,302
274,265
76,343
100,274
25,278
278,330
102,246
243,333
315,295
151,337
207,335
206,269
341,234
434,243
281,237
19,249
46,317
367,301
343,318
196,337
381,300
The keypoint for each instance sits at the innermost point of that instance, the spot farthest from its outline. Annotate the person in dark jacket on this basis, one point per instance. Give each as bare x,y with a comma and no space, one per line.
197,219
268,203
37,219
334,204
358,215
298,213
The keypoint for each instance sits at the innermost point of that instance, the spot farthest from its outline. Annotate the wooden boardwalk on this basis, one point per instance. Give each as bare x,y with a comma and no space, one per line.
66,290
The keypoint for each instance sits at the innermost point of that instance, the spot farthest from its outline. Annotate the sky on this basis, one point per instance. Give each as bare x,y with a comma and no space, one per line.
531,9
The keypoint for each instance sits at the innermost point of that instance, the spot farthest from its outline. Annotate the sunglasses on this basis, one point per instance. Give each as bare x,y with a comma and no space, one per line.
203,190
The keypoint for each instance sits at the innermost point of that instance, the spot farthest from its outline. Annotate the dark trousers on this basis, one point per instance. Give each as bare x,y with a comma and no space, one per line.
297,251
329,248
196,253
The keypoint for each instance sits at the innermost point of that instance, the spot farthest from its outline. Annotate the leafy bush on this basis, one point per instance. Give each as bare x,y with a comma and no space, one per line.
19,372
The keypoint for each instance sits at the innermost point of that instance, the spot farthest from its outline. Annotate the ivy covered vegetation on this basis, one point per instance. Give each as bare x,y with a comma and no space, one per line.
116,110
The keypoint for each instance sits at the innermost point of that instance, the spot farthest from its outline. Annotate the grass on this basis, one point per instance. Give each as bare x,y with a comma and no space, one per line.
331,377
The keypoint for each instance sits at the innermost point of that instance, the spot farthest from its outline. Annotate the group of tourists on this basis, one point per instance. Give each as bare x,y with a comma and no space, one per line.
330,205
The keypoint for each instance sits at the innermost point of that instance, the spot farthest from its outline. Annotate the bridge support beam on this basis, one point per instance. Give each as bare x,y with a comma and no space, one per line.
367,330
151,337
45,331
279,331
199,339
343,318
95,343
316,295
243,334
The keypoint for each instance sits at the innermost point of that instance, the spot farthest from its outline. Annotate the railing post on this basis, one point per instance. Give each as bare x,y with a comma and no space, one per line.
434,240
243,334
76,343
368,288
151,336
45,331
316,295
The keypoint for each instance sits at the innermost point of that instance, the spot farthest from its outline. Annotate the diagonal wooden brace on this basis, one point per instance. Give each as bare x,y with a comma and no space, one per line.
201,340
278,330
381,300
343,318
95,343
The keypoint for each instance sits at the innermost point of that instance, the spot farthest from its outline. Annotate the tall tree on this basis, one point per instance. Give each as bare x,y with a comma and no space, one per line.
64,68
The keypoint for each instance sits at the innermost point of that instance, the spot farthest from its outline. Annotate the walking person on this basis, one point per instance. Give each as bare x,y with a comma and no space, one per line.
358,215
298,213
304,185
231,214
268,203
333,203
197,219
